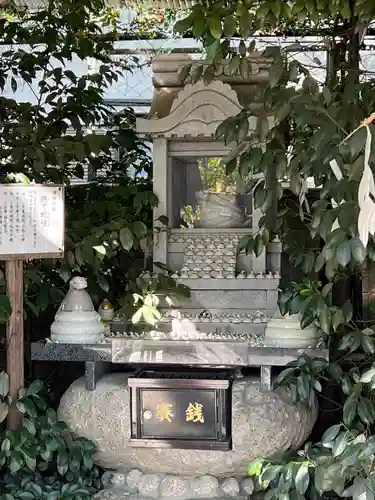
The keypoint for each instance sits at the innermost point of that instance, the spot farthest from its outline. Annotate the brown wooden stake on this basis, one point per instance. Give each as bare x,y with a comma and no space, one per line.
15,347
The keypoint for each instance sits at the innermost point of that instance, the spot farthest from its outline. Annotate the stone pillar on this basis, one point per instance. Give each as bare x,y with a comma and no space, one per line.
160,184
273,256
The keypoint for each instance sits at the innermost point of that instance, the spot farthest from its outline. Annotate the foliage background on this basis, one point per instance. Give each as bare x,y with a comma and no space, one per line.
312,125
69,131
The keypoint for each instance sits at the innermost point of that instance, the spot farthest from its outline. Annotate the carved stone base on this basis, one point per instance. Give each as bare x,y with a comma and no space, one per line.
263,424
137,486
120,494
134,485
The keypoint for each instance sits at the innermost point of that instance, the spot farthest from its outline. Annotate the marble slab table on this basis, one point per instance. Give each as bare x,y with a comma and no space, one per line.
141,352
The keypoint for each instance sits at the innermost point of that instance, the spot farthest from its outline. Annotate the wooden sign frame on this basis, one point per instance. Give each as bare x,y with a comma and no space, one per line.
15,326
32,255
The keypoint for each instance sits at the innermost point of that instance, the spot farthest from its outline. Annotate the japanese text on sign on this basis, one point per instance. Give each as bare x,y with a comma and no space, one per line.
194,413
31,220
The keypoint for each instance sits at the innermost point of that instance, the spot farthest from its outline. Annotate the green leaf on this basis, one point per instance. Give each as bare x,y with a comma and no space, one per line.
234,64
367,376
362,490
126,238
308,262
103,283
29,426
139,229
183,25
198,26
358,250
4,410
357,142
337,319
275,73
87,252
148,313
13,84
340,444
350,410
255,467
4,384
327,289
30,461
308,316
5,308
335,238
269,473
34,388
324,318
302,479
329,435
20,407
79,256
245,21
343,253
65,272
16,462
242,131
137,316
230,25
100,249
71,259
303,386
258,245
30,407
319,262
347,311
368,344
214,25
62,461
350,341
8,496
366,411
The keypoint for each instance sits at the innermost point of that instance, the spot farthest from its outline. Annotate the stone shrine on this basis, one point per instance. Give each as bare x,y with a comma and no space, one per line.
232,295
180,418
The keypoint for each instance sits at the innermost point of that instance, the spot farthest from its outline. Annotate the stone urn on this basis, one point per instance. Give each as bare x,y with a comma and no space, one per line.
286,331
76,321
219,210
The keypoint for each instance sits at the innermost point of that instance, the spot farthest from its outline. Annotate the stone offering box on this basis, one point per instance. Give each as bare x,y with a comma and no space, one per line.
181,410
170,410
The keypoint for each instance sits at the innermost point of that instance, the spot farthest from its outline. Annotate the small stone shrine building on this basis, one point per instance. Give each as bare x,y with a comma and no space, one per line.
231,294
179,417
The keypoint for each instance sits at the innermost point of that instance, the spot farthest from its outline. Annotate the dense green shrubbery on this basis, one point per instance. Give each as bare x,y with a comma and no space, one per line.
43,459
70,130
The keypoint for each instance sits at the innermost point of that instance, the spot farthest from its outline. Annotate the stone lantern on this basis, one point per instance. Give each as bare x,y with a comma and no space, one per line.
208,213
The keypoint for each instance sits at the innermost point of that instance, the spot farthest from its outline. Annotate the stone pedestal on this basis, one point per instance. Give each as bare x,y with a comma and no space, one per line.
232,294
263,424
137,486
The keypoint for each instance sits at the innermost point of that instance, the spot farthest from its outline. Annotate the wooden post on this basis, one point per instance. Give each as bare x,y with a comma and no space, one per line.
15,344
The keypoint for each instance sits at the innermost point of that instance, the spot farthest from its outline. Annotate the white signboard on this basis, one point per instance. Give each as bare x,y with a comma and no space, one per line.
31,221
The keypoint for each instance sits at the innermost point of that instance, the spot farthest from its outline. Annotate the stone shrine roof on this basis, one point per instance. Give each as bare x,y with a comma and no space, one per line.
180,109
